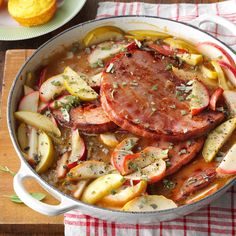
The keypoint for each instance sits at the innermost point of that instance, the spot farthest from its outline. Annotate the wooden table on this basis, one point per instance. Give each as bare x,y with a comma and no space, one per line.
11,223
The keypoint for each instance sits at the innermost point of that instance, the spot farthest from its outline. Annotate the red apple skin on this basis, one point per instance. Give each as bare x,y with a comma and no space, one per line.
81,156
42,76
29,98
227,67
43,108
61,169
117,156
215,97
156,178
226,172
198,110
227,57
125,168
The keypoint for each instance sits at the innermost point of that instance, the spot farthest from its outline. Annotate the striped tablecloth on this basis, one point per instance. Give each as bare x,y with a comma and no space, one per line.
219,218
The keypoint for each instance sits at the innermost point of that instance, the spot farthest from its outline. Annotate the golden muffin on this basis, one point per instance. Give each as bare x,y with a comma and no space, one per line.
32,12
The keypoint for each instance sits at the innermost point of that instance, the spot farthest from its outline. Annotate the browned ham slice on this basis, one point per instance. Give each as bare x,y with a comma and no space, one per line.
139,94
90,118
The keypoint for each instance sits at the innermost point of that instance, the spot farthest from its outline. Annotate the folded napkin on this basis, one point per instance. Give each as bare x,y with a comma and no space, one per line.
218,218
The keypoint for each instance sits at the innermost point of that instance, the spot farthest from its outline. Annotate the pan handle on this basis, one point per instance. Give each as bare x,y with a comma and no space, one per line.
41,207
215,19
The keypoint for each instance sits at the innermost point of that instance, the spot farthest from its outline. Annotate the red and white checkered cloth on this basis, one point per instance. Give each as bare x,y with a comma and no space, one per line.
219,218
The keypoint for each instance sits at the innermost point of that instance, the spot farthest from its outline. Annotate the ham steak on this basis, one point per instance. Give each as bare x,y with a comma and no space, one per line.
90,119
140,94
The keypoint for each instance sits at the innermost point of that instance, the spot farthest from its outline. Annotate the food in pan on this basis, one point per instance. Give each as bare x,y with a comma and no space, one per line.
132,121
32,12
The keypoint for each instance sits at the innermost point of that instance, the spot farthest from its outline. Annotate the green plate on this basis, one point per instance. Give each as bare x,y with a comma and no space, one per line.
11,30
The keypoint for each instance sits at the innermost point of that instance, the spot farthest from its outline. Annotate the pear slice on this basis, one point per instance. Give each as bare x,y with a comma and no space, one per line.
38,121
217,138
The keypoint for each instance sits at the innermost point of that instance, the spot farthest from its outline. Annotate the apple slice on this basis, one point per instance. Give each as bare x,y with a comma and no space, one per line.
45,153
77,86
22,136
180,44
149,203
27,90
151,173
217,138
101,187
215,97
191,59
78,149
29,102
228,164
61,169
221,77
199,97
38,121
190,74
63,101
33,146
81,185
137,161
104,50
102,34
124,194
208,73
51,88
147,34
214,51
122,149
89,170
109,139
230,99
42,106
229,71
206,192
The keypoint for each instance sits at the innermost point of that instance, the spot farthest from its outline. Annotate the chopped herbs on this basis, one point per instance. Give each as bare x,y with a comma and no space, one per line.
115,85
124,84
169,67
133,166
165,152
56,83
137,121
153,206
110,68
182,151
139,44
173,106
99,63
168,184
107,47
185,130
183,112
65,114
87,50
155,87
134,83
113,191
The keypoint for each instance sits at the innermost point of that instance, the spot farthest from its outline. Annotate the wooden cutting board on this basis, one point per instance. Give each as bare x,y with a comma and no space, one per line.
18,218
